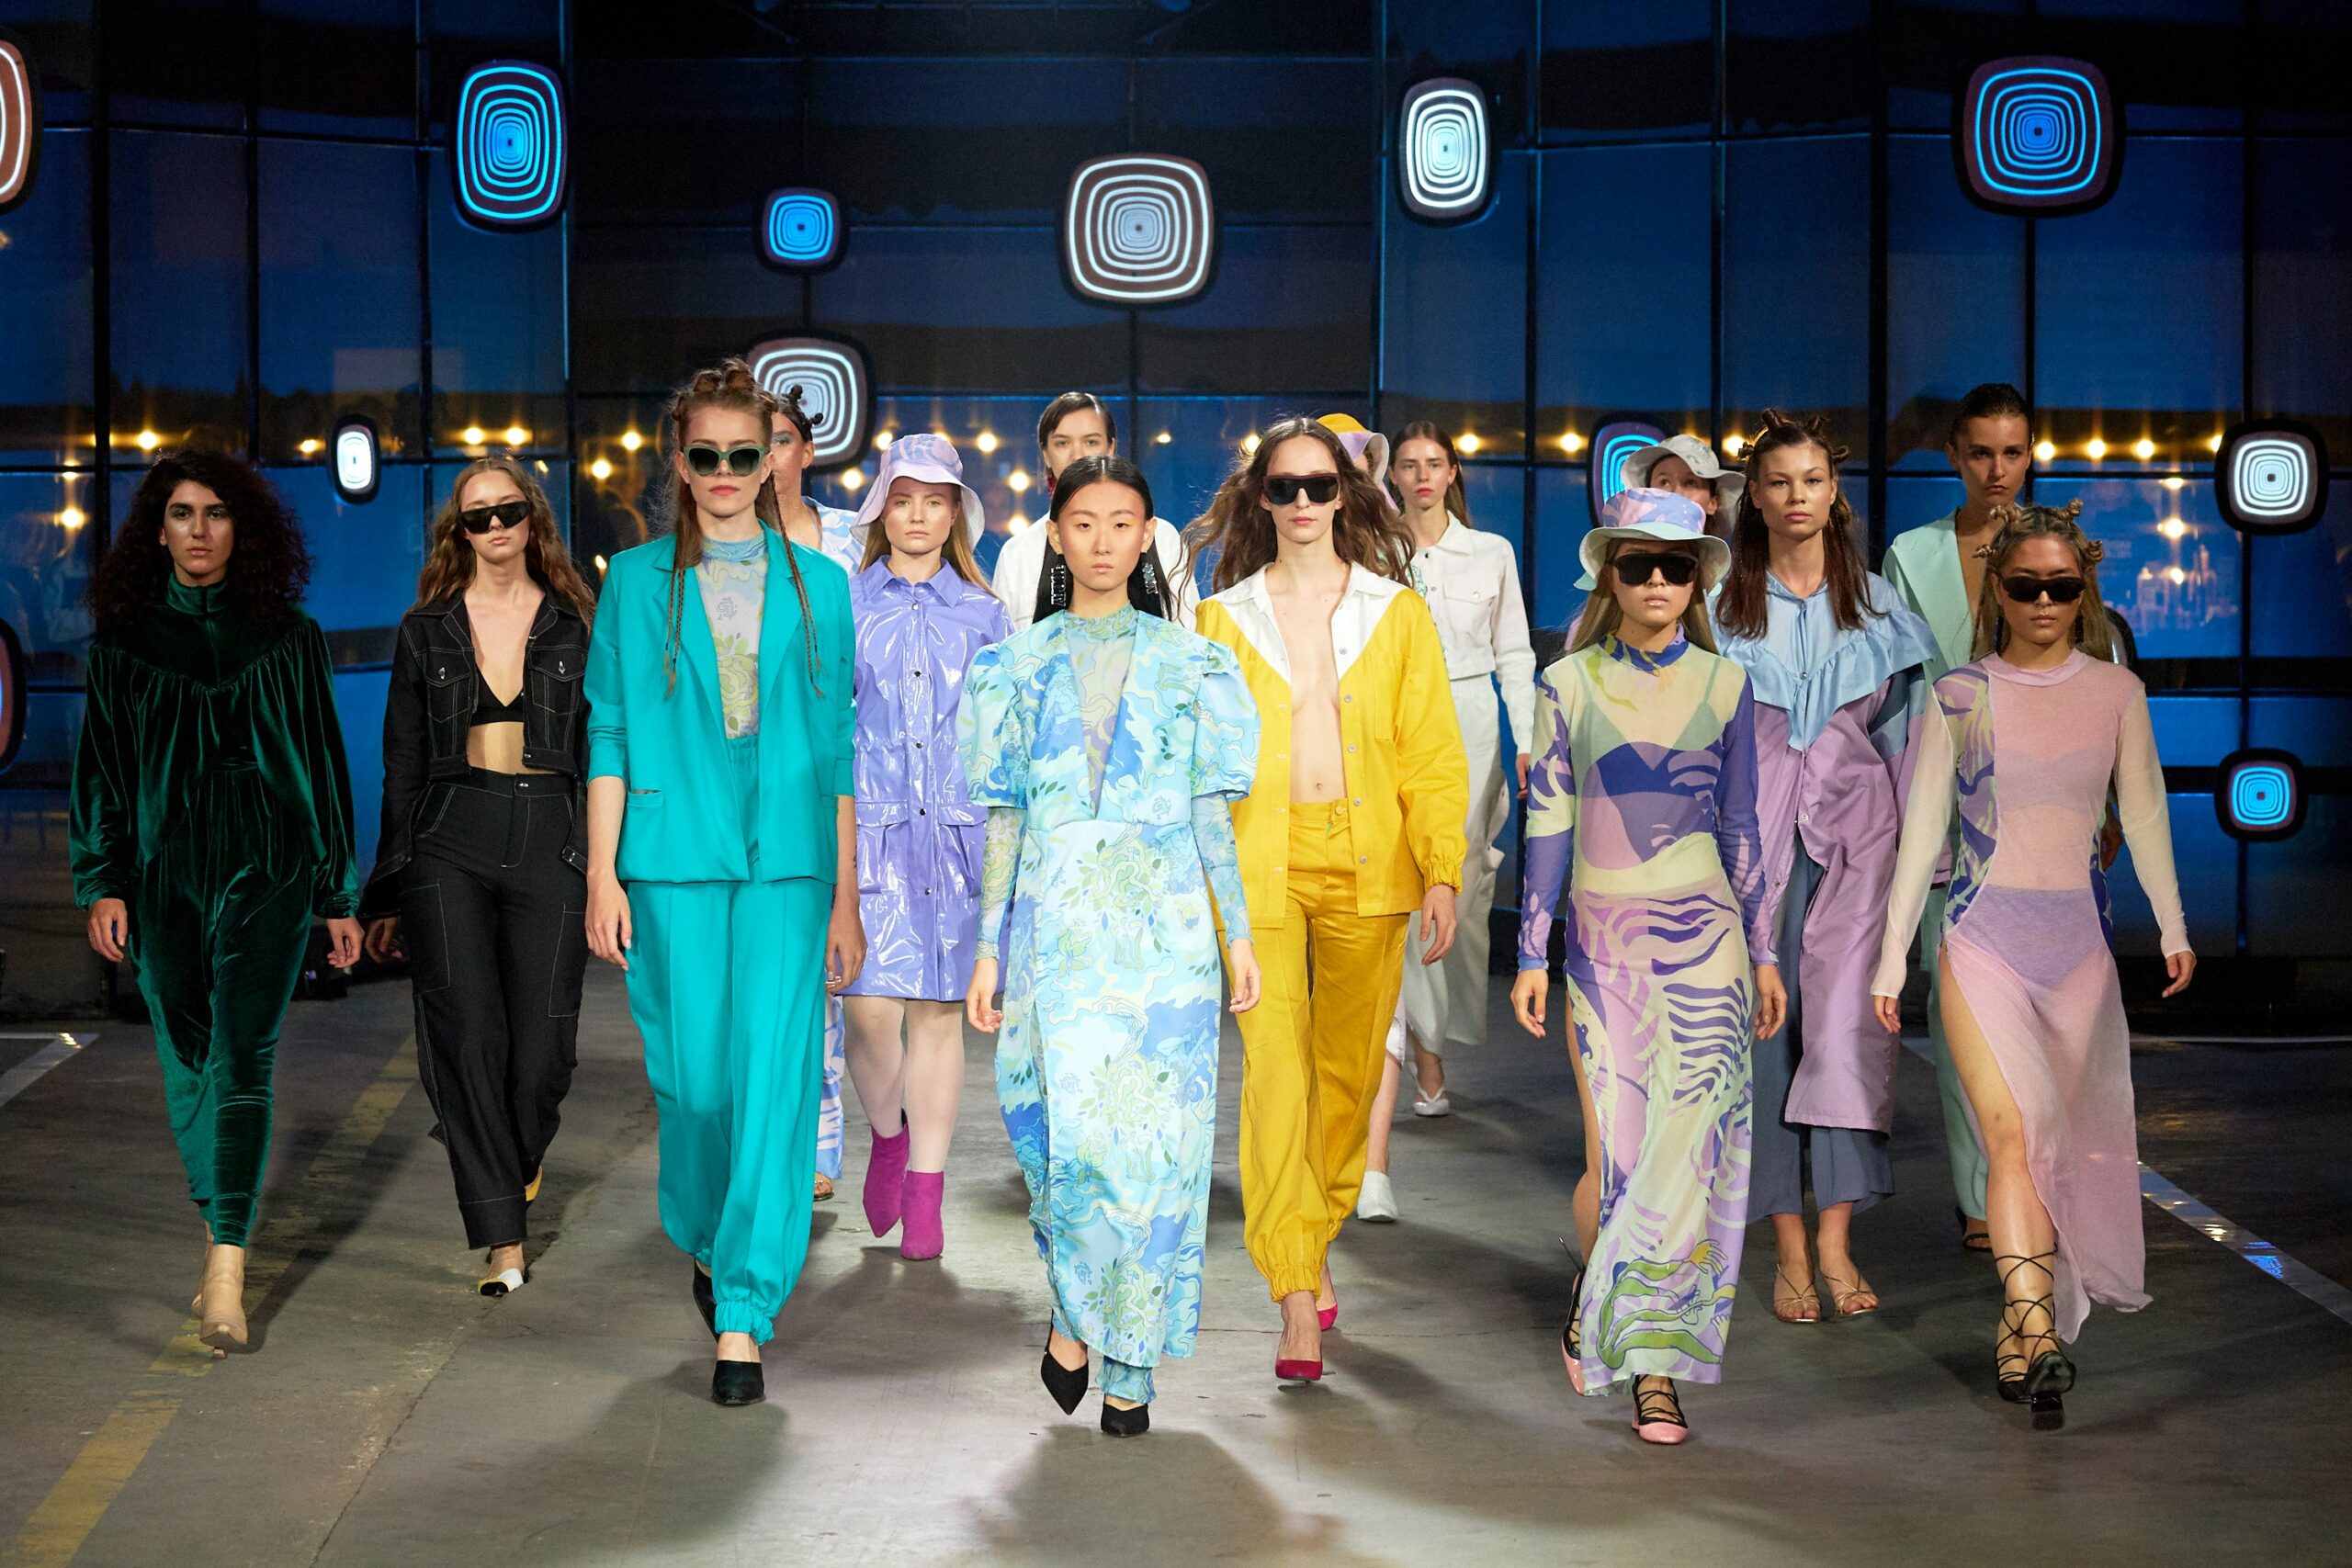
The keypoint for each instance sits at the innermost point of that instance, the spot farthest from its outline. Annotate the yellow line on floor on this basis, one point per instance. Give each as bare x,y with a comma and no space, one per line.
56,1531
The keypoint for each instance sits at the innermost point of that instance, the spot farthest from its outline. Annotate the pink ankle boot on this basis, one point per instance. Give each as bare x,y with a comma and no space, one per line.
885,1171
924,1236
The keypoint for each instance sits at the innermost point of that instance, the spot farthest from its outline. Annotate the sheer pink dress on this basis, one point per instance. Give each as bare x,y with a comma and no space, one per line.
2028,756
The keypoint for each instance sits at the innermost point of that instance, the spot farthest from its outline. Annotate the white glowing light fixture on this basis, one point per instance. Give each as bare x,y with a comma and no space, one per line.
1138,229
357,466
2271,477
20,122
1443,152
836,392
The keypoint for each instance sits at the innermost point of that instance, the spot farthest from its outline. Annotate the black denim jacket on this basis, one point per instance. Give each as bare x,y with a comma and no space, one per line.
430,708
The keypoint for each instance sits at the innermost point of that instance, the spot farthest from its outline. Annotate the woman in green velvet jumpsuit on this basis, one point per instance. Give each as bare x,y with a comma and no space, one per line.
211,817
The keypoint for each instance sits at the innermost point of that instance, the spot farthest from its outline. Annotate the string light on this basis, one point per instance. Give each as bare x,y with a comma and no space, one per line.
2176,574
309,447
1163,438
1732,444
72,517
517,436
471,435
600,565
882,439
1571,442
1249,443
986,441
2143,449
632,440
2044,450
2095,448
600,469
148,441
2174,481
1016,482
1469,441
2213,442
2172,528
853,479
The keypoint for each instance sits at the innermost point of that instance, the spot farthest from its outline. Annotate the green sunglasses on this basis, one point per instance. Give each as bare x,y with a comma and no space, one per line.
741,461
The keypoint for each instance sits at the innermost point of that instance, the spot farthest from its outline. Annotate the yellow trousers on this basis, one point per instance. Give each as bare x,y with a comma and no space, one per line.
1311,1054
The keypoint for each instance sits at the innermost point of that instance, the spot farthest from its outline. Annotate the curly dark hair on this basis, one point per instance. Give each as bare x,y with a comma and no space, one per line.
268,566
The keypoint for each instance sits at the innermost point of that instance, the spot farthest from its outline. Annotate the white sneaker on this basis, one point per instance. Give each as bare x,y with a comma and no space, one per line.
1377,1201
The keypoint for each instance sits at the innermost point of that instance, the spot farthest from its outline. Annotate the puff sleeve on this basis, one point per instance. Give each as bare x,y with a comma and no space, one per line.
1225,729
992,733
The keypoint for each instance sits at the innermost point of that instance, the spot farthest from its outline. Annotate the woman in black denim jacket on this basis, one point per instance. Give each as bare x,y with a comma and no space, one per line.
480,866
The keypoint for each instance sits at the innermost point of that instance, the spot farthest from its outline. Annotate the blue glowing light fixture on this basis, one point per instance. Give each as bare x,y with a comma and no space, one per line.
356,458
2270,476
801,228
1138,230
2038,134
1443,150
1611,445
20,122
836,392
2258,794
511,145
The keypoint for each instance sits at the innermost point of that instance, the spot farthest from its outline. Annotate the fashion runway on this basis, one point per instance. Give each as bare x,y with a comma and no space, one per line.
391,1415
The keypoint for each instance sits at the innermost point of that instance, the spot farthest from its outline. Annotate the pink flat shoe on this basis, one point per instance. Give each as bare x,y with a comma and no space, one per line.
925,1236
885,1171
1658,1414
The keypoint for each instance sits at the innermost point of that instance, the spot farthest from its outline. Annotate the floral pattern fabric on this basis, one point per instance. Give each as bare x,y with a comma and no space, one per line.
1106,1061
1646,784
733,577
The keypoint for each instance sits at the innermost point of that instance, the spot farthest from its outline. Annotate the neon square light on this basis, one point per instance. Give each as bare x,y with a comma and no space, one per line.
511,145
2038,134
2270,476
836,392
358,467
801,228
1138,229
2258,794
20,122
1443,153
1611,445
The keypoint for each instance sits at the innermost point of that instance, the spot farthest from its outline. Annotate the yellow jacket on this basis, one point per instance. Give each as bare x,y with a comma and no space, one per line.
1408,785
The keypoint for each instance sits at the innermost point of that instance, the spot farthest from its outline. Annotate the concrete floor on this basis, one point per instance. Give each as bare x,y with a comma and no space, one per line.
392,1417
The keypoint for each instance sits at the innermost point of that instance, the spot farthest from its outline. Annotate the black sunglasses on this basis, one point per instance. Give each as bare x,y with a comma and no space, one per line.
741,461
1635,567
506,515
1284,489
2026,589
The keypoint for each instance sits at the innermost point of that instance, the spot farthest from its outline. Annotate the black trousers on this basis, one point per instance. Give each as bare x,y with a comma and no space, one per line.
495,926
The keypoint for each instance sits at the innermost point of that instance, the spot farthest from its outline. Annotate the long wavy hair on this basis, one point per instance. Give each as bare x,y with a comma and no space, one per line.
1457,501
1603,616
1366,531
1740,607
2012,526
449,559
729,384
268,564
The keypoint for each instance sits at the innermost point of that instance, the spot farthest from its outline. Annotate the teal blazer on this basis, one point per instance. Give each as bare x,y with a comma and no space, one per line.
682,823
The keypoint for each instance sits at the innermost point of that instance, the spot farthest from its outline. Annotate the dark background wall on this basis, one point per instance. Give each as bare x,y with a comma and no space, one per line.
243,226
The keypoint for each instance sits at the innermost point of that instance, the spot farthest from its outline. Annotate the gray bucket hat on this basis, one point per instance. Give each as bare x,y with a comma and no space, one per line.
1635,471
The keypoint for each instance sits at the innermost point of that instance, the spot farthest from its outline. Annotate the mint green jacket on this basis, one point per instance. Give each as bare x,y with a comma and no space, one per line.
683,822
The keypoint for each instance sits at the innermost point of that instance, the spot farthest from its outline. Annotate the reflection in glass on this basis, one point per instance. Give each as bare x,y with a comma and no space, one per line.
2172,564
45,312
1453,344
177,291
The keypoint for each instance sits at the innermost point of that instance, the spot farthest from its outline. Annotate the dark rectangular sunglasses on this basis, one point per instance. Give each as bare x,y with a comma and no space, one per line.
506,515
1284,489
1634,567
2026,589
741,461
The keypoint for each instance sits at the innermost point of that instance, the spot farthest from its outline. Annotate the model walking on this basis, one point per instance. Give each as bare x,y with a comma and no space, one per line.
479,865
1031,576
922,612
1836,668
2029,740
835,534
719,849
1939,570
1107,745
1351,832
211,818
1471,582
1643,801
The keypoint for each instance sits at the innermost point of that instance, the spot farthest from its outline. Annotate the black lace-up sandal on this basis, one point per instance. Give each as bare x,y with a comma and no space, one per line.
1658,1414
2038,1381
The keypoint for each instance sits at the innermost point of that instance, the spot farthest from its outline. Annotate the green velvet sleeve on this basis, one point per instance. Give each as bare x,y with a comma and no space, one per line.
102,834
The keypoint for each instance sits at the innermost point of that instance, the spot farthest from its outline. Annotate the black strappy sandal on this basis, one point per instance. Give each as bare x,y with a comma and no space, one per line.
1658,1414
2039,1383
1979,1241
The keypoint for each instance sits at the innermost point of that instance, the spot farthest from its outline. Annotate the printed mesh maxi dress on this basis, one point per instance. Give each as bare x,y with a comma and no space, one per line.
2028,756
1642,799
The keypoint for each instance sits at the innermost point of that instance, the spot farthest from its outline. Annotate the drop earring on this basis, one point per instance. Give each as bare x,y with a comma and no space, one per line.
1060,588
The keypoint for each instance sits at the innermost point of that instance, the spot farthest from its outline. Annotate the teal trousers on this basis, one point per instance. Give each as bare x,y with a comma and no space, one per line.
1961,1146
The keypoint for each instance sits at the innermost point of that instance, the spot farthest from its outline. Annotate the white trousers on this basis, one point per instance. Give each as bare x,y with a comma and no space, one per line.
1445,1003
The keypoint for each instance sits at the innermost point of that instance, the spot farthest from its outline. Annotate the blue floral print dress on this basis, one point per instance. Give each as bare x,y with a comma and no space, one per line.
1106,1063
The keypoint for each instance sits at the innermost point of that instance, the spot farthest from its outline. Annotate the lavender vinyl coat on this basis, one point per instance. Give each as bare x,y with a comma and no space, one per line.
919,835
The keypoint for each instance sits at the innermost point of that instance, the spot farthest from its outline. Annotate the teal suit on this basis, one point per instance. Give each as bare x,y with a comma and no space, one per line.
727,850
1924,566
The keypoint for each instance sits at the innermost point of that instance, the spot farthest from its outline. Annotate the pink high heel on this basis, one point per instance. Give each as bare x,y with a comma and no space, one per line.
925,1236
885,1171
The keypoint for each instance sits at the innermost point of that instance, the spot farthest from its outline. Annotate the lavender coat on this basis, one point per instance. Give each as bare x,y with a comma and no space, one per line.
1836,713
919,835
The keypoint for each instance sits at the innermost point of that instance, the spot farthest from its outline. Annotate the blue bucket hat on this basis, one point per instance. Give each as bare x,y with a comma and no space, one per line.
1662,515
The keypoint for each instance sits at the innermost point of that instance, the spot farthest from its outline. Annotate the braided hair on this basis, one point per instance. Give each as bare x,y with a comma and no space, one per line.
729,384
